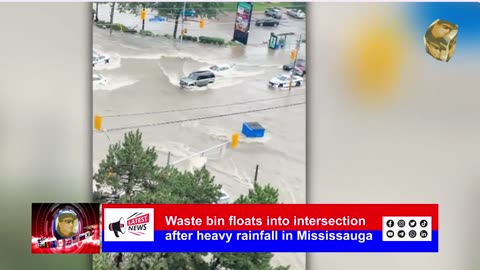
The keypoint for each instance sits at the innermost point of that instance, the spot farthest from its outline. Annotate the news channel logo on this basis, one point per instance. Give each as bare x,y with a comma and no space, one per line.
65,228
128,224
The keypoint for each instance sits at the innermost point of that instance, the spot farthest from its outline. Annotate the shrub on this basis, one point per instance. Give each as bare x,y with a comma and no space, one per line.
191,38
146,33
123,28
211,40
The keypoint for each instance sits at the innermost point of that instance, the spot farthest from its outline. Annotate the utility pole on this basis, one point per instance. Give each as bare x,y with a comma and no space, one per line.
111,17
183,19
297,48
256,175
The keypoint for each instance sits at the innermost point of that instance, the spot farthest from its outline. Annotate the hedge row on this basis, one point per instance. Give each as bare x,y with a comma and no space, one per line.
201,39
191,38
146,33
211,40
116,27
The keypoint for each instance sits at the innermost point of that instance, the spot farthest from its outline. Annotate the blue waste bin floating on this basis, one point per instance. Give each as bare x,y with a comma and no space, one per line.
253,130
157,19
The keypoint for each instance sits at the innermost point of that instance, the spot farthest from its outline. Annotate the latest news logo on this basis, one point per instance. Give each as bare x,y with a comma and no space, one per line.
124,224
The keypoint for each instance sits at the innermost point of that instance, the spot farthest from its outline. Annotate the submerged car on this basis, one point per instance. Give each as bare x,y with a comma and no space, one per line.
273,12
299,70
298,62
198,78
283,81
98,58
219,70
267,22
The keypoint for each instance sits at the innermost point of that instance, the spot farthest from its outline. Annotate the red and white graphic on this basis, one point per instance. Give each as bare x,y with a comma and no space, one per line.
125,224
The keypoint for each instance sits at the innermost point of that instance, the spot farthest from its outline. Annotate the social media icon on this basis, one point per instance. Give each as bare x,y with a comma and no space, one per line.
412,223
390,223
424,234
401,223
412,234
401,234
423,223
390,234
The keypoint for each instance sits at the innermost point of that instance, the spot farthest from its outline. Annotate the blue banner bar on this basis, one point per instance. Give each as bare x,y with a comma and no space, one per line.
358,241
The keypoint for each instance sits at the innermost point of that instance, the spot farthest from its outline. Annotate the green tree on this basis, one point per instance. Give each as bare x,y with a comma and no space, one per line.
103,261
173,186
128,166
250,261
174,9
259,195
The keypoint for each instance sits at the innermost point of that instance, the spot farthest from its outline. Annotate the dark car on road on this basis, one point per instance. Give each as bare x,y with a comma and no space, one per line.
267,22
273,12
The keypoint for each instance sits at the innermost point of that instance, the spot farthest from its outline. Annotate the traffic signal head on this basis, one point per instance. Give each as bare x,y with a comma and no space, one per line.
293,55
98,122
235,138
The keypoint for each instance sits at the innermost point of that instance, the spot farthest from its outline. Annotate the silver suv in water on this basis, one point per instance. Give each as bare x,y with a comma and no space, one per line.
198,78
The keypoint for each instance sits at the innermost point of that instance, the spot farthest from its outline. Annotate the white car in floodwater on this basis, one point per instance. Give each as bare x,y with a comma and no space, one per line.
283,81
99,58
221,70
99,80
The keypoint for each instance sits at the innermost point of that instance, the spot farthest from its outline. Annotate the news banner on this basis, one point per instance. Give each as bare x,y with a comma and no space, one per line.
270,228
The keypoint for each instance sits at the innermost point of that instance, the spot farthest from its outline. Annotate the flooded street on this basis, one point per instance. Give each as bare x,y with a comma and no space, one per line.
142,90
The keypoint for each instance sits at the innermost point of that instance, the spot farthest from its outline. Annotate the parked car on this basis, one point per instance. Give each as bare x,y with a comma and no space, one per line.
98,58
283,81
298,63
198,78
99,80
299,71
296,13
222,69
267,22
273,12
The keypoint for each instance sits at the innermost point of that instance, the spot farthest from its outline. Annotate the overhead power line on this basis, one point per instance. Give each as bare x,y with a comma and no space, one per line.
201,118
199,108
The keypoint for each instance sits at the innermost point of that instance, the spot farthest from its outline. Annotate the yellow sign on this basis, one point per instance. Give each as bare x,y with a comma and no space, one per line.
143,14
293,55
202,23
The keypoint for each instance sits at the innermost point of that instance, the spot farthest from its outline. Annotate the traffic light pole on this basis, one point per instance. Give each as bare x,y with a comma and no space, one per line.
232,144
143,19
294,62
